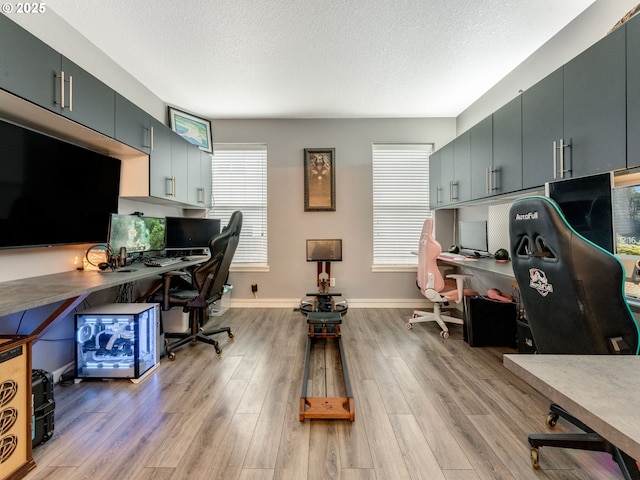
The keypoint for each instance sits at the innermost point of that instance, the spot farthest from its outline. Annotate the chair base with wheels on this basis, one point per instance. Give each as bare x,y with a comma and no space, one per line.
196,333
588,440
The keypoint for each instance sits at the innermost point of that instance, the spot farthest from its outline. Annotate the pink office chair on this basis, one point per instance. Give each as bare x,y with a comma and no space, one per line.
433,286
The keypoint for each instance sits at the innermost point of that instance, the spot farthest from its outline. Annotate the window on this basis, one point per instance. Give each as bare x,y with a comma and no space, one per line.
239,182
400,201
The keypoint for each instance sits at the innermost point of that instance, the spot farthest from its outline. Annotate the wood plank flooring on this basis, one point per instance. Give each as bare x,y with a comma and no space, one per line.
425,408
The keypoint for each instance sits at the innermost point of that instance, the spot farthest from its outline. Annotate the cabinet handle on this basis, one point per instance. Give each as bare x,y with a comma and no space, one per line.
200,195
173,186
61,77
555,159
454,190
71,93
487,180
493,179
151,138
170,186
438,189
562,147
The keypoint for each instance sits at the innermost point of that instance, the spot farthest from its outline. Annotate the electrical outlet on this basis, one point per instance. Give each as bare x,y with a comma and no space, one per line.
332,282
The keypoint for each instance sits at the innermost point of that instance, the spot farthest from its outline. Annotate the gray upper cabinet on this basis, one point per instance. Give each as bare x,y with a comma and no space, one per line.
87,100
461,186
435,185
447,174
595,107
482,158
28,66
633,92
506,171
542,125
31,69
133,125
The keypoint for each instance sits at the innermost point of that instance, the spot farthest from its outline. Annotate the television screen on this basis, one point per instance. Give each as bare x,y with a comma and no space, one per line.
586,204
53,192
324,250
190,233
472,236
626,219
136,233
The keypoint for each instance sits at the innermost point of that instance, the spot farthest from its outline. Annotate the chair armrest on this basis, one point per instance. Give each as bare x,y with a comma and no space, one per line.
459,278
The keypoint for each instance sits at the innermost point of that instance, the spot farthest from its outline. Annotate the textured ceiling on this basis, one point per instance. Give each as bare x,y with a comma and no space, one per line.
319,58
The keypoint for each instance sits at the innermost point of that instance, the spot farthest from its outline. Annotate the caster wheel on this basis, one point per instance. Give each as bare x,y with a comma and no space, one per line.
444,334
218,350
552,419
231,335
534,458
171,356
409,325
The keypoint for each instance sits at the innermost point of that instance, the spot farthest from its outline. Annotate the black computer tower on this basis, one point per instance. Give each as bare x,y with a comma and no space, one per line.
43,406
490,323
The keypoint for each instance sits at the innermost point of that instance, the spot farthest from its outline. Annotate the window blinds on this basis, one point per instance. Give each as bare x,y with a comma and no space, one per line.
239,182
400,201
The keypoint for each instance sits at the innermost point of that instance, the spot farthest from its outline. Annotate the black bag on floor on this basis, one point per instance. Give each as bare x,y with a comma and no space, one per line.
43,406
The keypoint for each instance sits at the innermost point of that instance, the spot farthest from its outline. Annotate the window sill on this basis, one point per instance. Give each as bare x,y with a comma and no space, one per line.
248,267
394,268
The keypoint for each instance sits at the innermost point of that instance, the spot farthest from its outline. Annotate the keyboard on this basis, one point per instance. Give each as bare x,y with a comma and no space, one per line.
161,261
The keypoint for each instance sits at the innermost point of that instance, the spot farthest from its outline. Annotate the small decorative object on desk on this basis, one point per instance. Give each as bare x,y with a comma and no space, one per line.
501,255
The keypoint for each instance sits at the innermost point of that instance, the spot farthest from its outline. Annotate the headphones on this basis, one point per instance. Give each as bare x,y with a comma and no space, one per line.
101,258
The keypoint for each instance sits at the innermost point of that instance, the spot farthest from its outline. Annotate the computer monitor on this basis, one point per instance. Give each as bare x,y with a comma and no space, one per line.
136,233
586,203
324,250
472,237
184,233
626,225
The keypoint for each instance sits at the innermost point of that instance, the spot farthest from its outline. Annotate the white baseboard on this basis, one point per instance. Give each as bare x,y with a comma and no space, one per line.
353,303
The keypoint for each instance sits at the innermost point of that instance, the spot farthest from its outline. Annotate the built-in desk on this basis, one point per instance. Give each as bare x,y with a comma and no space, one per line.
600,390
485,264
71,288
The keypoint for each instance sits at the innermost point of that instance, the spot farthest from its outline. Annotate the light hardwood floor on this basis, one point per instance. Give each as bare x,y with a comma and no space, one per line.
425,408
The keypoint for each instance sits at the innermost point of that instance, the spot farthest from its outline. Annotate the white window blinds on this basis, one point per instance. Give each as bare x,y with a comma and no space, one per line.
400,201
239,182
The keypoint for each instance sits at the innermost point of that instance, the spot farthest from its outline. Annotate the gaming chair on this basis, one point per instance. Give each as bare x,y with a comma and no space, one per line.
432,284
572,293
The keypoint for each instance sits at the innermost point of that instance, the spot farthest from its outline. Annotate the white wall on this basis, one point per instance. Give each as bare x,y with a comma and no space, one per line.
589,27
290,276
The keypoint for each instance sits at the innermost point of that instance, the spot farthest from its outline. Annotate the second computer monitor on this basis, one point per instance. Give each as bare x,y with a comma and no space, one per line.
184,233
136,233
472,236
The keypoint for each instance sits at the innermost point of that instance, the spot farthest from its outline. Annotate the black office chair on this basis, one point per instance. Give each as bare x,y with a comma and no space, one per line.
572,292
195,291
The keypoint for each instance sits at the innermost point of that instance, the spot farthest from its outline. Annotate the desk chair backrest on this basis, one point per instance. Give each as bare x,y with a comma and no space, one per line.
571,289
429,276
212,275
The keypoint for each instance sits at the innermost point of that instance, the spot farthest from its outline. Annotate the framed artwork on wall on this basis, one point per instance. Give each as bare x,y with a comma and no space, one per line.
193,129
319,180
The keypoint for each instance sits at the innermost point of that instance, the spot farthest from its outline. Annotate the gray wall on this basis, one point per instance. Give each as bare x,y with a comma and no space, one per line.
290,276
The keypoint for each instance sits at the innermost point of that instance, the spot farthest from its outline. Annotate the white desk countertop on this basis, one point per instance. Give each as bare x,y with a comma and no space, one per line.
603,391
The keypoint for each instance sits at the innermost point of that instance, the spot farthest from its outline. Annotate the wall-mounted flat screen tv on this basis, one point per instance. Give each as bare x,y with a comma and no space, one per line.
586,204
53,192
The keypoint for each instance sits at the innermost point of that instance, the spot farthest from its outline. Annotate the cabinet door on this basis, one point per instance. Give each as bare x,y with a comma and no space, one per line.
435,187
28,66
205,177
507,147
595,106
481,157
132,125
462,167
542,124
160,181
180,168
447,173
195,193
633,92
89,101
